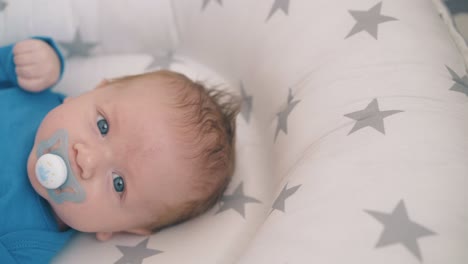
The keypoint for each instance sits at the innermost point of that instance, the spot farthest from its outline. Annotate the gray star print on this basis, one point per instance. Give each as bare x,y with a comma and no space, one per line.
398,228
368,20
236,201
77,47
279,203
461,84
246,104
206,2
283,115
163,61
3,5
136,254
371,116
277,5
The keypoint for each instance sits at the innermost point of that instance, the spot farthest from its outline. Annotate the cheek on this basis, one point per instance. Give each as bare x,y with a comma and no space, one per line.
96,213
49,125
55,119
81,217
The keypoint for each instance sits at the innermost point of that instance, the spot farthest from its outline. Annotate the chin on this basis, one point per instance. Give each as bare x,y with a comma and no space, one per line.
72,216
65,219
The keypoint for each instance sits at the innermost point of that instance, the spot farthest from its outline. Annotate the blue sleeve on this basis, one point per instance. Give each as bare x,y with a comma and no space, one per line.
5,256
7,67
32,247
8,76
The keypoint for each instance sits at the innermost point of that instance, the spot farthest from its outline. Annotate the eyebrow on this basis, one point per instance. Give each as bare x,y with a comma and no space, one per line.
114,118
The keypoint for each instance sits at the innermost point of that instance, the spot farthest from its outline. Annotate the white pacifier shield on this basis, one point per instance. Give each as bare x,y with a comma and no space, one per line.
51,171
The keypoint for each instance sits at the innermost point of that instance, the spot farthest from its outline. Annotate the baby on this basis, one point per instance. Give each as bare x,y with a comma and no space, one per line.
140,153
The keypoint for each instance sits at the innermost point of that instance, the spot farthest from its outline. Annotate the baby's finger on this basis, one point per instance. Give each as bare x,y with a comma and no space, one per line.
27,46
24,59
33,84
29,71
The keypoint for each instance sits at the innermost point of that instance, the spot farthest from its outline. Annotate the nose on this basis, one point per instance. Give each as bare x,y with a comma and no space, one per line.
90,159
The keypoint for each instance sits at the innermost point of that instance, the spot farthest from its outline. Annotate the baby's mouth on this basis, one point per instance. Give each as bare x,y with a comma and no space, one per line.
70,190
61,190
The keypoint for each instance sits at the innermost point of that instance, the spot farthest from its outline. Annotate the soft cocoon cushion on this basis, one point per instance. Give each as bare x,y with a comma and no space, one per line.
84,74
352,139
450,21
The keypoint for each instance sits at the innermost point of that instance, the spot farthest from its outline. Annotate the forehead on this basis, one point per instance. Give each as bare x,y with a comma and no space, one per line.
149,145
139,113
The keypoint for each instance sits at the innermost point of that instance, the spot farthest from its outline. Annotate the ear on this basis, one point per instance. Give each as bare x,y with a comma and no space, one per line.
103,83
142,231
103,236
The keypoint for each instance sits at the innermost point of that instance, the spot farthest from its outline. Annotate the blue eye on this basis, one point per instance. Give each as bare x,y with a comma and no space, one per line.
119,184
102,125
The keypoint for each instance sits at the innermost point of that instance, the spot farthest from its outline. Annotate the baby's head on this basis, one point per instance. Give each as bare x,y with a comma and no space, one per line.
144,151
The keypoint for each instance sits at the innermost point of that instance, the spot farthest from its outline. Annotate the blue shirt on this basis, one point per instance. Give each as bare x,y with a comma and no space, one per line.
28,230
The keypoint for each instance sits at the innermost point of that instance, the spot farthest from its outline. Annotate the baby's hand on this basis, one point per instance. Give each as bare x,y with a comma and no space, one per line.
37,65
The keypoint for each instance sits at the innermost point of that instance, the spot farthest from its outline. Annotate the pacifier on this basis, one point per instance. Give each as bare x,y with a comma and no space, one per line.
51,171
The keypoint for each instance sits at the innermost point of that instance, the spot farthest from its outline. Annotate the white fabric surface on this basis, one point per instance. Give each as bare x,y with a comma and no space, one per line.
342,173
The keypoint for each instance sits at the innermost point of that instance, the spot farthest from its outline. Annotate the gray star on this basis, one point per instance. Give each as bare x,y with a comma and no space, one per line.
277,5
163,61
236,201
3,5
136,254
77,47
368,20
398,228
370,116
206,2
283,115
461,84
246,104
279,203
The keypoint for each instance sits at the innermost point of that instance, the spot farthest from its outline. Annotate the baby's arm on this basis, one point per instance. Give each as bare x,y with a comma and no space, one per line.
33,64
37,65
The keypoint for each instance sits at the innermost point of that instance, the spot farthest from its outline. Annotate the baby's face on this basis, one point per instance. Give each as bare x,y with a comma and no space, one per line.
124,152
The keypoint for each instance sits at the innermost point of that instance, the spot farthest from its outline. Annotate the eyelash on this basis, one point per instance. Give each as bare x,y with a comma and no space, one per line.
122,193
99,118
